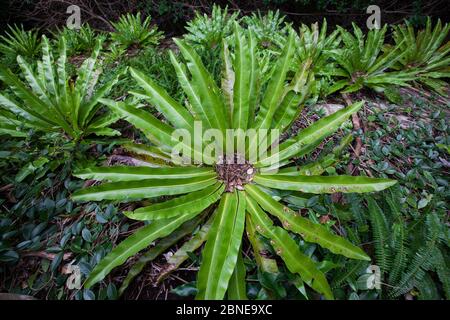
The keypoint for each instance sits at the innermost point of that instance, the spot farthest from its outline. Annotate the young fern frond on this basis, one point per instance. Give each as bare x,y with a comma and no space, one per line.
381,235
400,252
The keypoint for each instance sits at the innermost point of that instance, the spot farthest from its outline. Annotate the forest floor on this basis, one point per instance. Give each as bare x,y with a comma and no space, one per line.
408,142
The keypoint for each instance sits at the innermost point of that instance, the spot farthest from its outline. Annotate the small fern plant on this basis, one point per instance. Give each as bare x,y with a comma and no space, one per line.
221,195
270,29
362,62
19,42
318,48
79,41
408,252
51,100
209,31
133,32
426,51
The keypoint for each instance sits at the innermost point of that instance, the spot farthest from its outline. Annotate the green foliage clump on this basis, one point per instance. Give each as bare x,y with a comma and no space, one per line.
79,41
425,52
51,100
18,42
362,63
132,31
270,29
203,191
209,31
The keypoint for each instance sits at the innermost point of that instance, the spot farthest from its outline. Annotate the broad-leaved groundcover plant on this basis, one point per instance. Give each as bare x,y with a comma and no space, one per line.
228,197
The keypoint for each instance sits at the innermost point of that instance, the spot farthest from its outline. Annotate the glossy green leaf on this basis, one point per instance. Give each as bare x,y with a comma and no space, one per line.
135,243
274,92
241,98
237,286
182,254
142,189
157,131
172,110
212,105
195,201
288,250
164,244
127,173
222,247
261,253
324,184
310,231
311,136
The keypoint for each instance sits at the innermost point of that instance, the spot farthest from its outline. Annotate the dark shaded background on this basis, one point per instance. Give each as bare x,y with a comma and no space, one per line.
171,15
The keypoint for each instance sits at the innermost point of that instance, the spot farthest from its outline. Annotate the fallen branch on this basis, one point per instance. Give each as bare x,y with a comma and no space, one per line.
357,148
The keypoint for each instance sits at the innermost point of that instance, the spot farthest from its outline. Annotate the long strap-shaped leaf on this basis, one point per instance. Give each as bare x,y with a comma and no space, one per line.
241,98
57,109
211,101
157,131
295,94
228,79
288,250
172,110
162,245
263,260
147,151
142,189
88,109
127,173
254,86
319,166
20,109
34,83
237,287
324,184
195,201
312,135
182,254
222,247
33,105
310,231
195,104
135,243
274,92
62,77
48,64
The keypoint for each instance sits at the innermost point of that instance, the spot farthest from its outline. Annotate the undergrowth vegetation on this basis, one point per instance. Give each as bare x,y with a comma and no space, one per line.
352,204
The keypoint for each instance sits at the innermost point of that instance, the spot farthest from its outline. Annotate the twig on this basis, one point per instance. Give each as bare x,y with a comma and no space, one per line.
358,142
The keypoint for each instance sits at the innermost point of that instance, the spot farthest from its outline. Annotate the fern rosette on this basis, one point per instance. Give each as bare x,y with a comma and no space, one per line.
229,196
